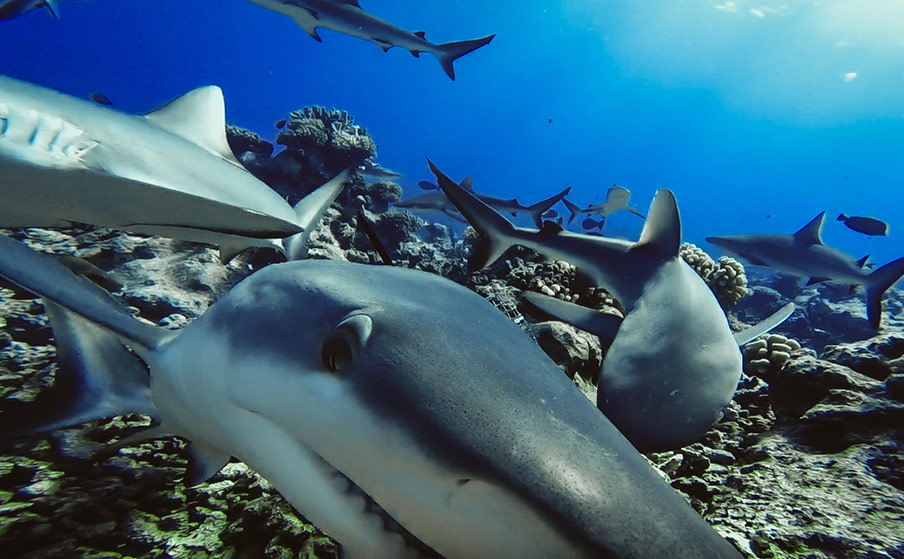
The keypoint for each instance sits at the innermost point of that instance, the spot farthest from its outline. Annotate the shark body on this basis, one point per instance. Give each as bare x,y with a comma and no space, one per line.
15,8
617,199
804,255
673,364
65,160
347,17
367,409
438,202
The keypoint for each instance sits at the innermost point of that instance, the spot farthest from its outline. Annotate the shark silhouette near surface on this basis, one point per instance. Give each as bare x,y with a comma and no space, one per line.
15,8
369,417
347,17
673,364
804,255
65,160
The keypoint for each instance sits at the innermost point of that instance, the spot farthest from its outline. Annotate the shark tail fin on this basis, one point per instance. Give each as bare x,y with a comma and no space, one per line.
309,211
572,208
662,230
51,6
537,210
97,376
877,283
495,231
447,53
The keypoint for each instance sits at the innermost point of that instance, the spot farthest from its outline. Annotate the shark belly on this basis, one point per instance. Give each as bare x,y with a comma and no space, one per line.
674,364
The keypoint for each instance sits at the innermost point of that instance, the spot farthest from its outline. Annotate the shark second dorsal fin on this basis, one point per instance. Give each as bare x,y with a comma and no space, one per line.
198,116
662,230
811,233
468,184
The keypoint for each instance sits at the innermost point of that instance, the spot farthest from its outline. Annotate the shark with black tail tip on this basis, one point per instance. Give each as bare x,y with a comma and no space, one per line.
347,17
804,255
673,364
15,8
367,415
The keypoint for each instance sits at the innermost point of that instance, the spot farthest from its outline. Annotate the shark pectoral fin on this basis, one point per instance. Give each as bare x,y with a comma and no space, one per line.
309,211
200,117
230,248
815,279
51,6
96,378
204,461
757,330
598,323
876,285
811,233
662,230
634,211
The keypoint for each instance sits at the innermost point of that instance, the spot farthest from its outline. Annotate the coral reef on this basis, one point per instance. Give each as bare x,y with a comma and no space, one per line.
767,356
728,281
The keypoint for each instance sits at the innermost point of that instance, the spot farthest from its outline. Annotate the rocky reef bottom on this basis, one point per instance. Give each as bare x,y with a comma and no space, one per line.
807,461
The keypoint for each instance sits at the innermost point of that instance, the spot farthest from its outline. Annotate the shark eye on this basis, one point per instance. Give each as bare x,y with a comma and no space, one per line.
346,341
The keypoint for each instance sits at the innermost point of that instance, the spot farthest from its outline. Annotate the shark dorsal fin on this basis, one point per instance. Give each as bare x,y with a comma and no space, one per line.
662,230
421,34
467,183
350,3
811,233
862,262
199,116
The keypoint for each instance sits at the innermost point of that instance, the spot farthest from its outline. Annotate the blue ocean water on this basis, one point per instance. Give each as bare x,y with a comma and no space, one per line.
757,115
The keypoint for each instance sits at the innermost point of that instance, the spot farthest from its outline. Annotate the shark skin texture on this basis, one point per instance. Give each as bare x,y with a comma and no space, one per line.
673,364
348,18
804,255
368,399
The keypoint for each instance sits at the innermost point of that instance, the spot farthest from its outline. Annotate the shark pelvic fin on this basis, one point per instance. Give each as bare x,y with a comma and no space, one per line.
811,233
495,231
203,463
200,117
603,325
749,334
662,230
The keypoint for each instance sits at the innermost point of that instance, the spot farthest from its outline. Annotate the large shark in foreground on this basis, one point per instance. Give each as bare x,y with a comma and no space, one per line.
346,16
65,160
370,400
673,364
15,8
804,255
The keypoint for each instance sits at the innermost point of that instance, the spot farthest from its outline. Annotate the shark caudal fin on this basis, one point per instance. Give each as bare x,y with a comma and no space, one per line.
877,283
309,211
662,230
97,376
572,208
537,210
447,53
495,231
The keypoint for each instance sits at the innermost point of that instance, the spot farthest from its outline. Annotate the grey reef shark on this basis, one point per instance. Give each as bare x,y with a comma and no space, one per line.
617,198
347,17
674,363
804,255
371,399
65,160
15,8
438,202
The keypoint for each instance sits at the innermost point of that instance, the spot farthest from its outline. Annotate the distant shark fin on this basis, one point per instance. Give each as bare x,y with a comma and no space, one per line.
863,261
495,231
662,230
537,210
811,233
767,325
200,117
204,462
310,209
877,283
447,53
573,208
601,324
815,280
634,211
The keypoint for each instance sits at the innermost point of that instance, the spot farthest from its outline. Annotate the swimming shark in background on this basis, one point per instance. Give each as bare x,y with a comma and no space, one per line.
804,255
439,202
15,8
384,417
347,17
617,199
65,160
